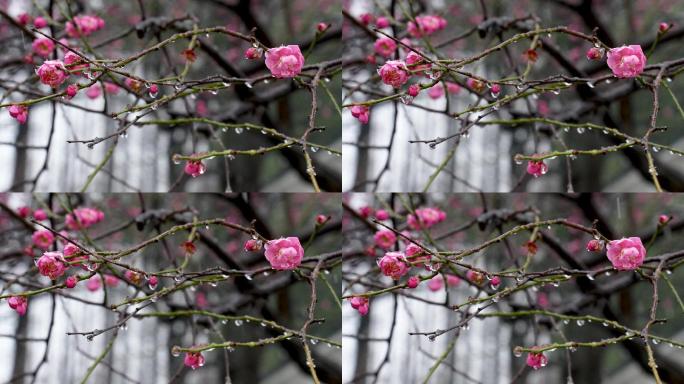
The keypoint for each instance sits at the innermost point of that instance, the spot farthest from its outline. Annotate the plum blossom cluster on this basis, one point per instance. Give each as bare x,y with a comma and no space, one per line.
425,218
82,218
397,264
404,56
54,73
627,61
53,263
286,61
398,72
84,25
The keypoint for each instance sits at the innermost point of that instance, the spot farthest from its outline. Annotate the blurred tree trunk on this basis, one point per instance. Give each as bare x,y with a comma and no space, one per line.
362,351
20,163
20,350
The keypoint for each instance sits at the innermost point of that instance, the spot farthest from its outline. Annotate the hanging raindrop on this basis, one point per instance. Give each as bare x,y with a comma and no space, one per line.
517,351
175,351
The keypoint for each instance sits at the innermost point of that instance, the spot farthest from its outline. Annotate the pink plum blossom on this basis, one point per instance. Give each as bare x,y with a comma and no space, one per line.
452,280
111,88
322,27
284,253
40,22
24,212
413,90
385,238
385,47
39,215
94,283
71,282
664,219
394,73
83,218
594,53
24,18
393,265
475,277
664,27
19,304
416,62
72,254
195,168
84,25
253,53
94,91
361,112
412,282
252,245
425,217
133,277
595,245
543,300
415,254
382,22
152,282
51,265
537,168
626,61
436,91
365,211
426,25
111,280
52,73
42,238
475,84
360,303
194,360
453,87
285,61
381,214
74,62
322,219
436,283
71,91
366,18
536,360
19,112
626,253
43,46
